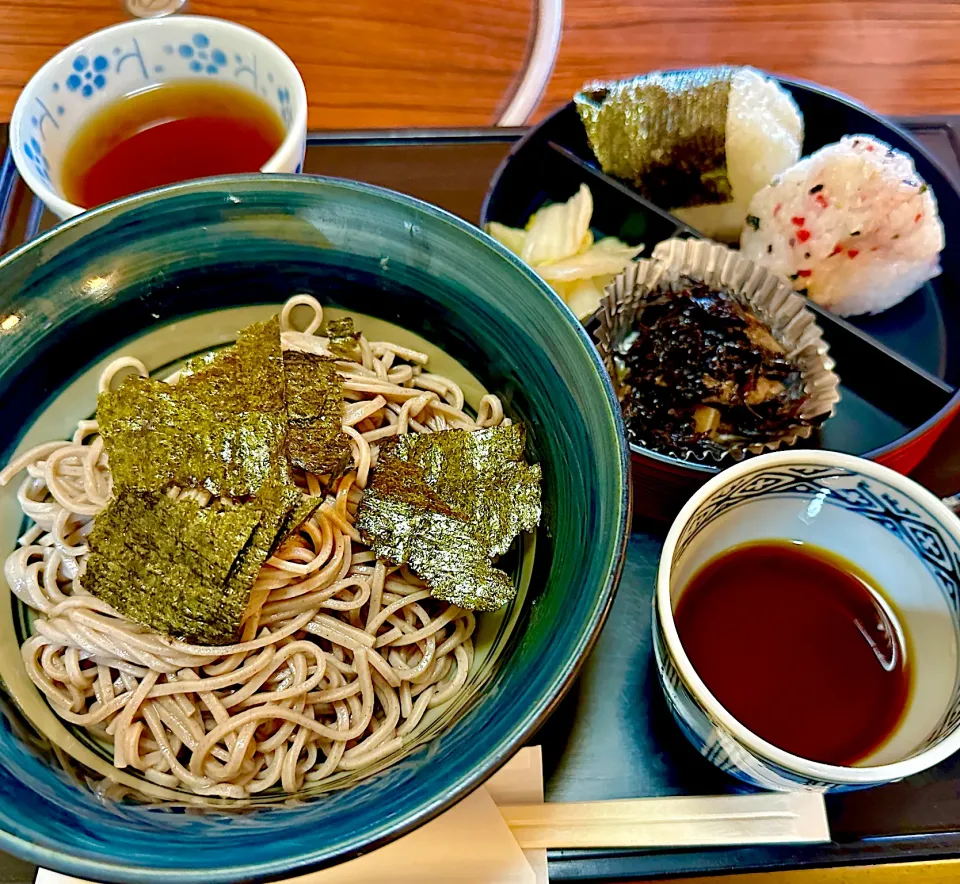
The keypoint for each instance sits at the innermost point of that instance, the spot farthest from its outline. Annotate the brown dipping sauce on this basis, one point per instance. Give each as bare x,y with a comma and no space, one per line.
793,642
172,132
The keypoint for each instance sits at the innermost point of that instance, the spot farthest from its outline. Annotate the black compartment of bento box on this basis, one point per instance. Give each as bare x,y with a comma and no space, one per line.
900,371
613,737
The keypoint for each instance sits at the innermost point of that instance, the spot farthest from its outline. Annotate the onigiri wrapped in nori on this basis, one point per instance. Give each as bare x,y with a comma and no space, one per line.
700,142
852,226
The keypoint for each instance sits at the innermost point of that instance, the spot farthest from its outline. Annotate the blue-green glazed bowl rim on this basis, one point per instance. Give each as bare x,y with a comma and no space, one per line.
536,713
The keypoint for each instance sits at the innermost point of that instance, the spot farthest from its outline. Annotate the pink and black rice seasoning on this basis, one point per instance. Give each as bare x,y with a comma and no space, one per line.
853,227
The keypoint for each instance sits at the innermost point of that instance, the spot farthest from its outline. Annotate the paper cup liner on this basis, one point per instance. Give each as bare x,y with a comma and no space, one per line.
791,322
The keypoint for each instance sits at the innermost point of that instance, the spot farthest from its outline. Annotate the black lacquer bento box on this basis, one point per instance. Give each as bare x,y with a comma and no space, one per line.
900,370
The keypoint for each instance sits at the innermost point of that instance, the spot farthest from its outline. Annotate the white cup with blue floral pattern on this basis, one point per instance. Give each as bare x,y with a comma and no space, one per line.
900,534
105,66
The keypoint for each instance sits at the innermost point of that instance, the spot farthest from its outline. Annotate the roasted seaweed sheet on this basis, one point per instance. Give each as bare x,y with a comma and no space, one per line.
222,427
663,132
283,508
227,426
447,503
703,374
168,564
343,339
314,393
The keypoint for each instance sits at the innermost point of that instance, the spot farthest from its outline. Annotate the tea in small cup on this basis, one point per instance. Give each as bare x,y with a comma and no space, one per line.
153,102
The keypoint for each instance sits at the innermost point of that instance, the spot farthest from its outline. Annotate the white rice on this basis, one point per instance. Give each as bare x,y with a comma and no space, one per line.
764,135
853,225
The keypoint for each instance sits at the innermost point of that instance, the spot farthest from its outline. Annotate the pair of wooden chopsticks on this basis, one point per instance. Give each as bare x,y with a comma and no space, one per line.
720,820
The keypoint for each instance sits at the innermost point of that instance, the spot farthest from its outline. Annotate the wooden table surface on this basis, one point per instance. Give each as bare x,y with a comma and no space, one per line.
380,63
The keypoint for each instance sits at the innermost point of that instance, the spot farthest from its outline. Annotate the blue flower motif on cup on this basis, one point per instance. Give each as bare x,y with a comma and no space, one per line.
33,152
201,57
286,112
87,76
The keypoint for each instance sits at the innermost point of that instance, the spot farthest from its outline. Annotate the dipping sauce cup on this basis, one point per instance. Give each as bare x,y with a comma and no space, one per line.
883,523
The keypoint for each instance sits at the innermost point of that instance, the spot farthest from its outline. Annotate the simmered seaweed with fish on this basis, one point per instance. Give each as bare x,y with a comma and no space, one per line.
703,375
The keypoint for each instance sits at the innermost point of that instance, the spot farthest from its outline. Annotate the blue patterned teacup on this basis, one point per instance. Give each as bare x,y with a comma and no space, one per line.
895,531
105,66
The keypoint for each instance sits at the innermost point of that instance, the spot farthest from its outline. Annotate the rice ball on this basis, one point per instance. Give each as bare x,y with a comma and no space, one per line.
853,226
764,133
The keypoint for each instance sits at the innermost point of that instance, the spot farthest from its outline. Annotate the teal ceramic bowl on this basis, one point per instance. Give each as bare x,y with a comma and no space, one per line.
168,273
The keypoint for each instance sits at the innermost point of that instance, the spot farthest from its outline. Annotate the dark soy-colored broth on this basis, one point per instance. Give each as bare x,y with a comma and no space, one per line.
795,643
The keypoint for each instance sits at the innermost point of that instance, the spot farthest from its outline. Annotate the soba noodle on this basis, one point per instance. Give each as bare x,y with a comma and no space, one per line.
340,655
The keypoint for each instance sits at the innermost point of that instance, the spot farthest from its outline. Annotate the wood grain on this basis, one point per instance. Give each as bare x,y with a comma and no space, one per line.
366,63
898,57
381,64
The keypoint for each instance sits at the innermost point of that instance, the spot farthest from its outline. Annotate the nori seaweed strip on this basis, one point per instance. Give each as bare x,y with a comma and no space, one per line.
440,548
343,340
314,394
665,133
165,563
481,474
446,503
221,427
303,508
283,508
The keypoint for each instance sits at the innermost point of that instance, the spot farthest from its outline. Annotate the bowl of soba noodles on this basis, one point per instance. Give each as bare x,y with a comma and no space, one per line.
313,498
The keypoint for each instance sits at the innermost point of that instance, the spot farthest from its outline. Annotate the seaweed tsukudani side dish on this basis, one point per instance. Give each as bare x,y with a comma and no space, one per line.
704,374
262,572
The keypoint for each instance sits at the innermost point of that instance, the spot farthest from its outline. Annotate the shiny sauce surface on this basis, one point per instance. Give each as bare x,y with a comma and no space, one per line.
796,644
172,132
